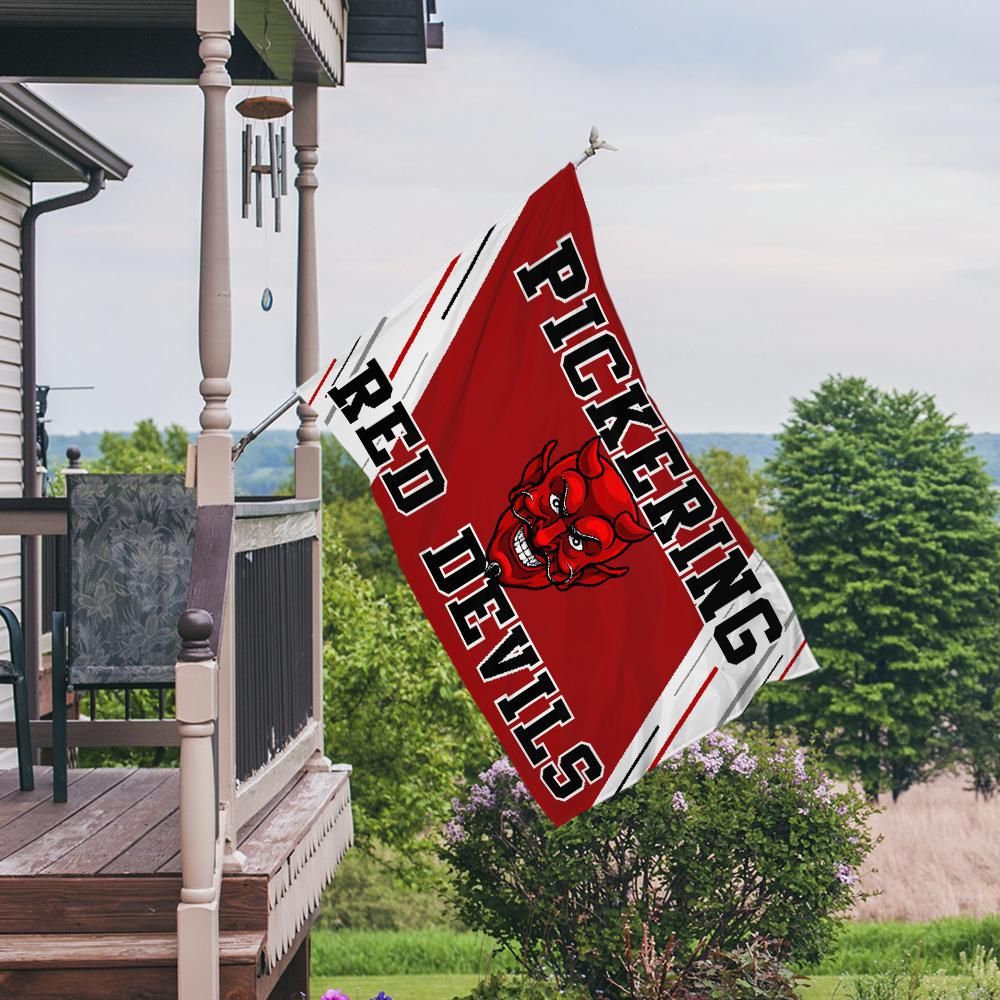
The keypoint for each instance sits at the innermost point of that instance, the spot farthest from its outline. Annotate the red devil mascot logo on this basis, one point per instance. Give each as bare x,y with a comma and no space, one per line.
566,520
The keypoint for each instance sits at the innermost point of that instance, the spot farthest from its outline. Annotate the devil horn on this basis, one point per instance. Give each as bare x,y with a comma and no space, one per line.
590,463
629,529
535,469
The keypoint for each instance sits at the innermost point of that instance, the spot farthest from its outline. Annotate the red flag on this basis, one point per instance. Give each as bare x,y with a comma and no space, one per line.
602,606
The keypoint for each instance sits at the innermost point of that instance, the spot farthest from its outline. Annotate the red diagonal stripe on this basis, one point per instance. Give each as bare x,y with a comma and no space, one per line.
684,717
321,381
423,316
784,673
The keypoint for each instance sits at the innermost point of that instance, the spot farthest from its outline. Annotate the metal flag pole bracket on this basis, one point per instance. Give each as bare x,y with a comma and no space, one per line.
596,143
251,435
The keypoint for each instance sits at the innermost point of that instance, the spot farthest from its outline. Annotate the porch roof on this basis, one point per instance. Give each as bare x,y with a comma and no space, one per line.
153,40
39,144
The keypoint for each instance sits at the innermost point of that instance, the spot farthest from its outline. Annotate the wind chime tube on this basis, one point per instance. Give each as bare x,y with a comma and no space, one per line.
273,165
284,160
246,172
259,180
277,164
277,215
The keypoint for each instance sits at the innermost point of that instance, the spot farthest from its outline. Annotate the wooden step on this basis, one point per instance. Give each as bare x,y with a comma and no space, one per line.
44,904
117,966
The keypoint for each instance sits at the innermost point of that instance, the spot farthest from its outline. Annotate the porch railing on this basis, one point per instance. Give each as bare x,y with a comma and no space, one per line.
270,709
276,579
273,596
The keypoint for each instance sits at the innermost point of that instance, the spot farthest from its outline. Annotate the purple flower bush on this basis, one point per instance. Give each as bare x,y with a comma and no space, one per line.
730,840
337,995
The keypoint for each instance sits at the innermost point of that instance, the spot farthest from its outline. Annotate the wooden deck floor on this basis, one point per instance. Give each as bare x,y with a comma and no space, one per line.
107,864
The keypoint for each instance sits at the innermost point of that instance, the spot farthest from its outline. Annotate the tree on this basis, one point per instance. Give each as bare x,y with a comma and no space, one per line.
748,495
395,708
146,449
890,520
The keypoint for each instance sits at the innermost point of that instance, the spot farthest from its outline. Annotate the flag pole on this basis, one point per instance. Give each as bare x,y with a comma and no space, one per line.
596,143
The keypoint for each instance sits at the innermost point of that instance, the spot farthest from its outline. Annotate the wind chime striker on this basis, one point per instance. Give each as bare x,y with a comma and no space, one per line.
260,109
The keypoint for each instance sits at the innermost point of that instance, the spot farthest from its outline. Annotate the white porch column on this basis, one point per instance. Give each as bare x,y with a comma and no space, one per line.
305,136
308,454
214,459
215,473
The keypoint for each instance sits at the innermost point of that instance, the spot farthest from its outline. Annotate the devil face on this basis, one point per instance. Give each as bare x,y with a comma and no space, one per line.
566,520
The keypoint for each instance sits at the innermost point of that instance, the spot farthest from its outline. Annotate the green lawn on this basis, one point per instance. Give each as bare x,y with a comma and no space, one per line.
827,987
398,987
446,987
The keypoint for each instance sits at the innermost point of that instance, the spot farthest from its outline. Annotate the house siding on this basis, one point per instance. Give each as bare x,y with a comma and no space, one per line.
15,196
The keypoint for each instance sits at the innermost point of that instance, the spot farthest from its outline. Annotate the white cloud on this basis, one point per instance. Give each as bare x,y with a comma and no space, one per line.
841,217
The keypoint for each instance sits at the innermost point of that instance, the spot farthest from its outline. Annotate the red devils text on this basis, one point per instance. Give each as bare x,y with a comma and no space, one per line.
534,710
412,478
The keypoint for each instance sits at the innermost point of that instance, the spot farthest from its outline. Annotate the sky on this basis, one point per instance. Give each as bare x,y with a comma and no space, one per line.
803,188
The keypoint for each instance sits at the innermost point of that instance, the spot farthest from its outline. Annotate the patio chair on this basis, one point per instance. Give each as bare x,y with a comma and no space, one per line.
130,544
12,672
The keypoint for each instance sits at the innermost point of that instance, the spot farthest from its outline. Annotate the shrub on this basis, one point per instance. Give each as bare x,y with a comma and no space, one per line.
753,971
729,840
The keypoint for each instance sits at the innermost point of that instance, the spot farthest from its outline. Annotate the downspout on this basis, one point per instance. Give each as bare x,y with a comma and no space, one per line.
31,610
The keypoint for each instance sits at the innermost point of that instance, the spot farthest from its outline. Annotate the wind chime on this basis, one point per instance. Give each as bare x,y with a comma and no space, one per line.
270,109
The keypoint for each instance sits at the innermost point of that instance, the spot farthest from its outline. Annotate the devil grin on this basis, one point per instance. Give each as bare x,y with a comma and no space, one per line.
565,521
521,548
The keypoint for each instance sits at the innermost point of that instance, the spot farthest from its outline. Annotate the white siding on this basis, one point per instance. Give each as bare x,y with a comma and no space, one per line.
15,196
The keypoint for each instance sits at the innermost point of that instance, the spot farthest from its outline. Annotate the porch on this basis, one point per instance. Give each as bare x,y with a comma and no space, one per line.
142,874
89,889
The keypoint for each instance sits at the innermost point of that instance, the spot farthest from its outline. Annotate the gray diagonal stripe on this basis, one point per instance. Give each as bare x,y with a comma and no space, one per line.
756,673
368,346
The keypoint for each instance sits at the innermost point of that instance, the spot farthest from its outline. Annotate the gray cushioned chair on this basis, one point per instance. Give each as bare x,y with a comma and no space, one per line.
130,544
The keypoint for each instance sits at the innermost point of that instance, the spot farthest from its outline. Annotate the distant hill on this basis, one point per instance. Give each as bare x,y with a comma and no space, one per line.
267,462
760,447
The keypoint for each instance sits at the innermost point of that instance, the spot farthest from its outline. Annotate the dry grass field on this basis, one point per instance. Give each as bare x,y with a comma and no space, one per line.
940,856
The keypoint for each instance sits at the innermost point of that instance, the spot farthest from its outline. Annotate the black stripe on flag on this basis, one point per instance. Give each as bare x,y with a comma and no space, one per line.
465,277
639,757
350,354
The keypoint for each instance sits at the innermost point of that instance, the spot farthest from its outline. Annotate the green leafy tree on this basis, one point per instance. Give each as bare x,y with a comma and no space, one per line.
748,495
146,449
890,520
396,709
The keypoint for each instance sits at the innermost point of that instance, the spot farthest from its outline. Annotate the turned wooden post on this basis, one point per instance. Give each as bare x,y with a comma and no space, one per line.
305,136
214,470
198,912
308,454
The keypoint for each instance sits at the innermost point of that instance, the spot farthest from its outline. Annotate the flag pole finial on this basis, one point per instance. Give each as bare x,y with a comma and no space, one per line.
596,143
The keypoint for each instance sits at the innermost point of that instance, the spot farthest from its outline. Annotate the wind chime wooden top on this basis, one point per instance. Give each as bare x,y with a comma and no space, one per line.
264,108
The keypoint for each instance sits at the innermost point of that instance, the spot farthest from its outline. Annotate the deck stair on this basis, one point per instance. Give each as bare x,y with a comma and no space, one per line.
124,966
89,889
